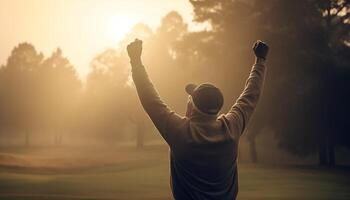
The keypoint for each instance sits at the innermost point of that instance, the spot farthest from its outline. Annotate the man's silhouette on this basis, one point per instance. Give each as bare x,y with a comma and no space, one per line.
203,145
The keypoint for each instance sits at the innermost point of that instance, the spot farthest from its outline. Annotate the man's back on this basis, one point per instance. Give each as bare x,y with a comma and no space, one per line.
203,146
203,161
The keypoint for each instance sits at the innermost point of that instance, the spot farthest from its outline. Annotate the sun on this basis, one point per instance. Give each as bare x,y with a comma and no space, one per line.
117,27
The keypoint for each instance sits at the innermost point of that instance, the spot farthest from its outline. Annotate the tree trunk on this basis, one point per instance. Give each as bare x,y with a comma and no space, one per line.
27,142
327,153
140,135
55,137
331,155
58,137
252,150
322,154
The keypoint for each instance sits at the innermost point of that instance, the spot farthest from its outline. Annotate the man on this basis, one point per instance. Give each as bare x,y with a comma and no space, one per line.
203,145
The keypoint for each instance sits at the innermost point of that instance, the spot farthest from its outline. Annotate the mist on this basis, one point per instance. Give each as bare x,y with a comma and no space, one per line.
55,123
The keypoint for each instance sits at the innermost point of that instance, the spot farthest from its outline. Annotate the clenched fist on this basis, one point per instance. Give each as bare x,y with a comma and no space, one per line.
134,51
260,49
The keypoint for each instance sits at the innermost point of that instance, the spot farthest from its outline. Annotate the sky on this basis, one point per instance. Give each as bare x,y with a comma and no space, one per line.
82,28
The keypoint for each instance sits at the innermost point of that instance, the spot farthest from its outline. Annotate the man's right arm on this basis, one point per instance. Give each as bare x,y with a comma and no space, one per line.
242,110
165,120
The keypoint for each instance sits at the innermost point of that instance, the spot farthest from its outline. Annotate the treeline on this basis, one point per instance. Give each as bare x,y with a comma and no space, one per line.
37,93
43,97
307,91
305,102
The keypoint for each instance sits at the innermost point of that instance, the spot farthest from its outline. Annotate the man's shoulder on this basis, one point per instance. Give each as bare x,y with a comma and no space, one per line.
228,125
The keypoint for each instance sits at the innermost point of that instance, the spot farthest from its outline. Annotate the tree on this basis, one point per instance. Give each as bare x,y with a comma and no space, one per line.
304,50
106,96
335,27
18,110
37,94
58,89
321,33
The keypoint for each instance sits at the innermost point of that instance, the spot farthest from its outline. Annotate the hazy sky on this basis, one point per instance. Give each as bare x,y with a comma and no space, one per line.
82,28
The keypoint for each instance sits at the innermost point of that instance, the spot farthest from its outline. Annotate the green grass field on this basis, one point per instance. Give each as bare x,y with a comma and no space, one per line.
144,174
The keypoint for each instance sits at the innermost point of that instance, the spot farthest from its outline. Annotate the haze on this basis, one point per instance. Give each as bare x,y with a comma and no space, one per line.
72,125
81,27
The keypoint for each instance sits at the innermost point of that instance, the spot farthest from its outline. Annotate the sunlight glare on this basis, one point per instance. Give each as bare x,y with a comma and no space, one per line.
117,27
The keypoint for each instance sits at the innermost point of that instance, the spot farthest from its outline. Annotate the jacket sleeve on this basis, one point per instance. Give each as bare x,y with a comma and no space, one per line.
241,111
162,117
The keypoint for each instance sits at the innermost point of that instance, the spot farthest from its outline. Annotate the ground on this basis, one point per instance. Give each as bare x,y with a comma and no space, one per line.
128,173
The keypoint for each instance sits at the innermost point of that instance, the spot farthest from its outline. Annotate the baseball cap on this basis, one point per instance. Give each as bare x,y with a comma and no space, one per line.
206,97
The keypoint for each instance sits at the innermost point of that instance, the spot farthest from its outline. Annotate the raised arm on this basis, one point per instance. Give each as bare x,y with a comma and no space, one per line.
242,110
158,111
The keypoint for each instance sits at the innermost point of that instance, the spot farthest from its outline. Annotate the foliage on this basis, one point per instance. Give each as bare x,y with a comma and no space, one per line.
307,67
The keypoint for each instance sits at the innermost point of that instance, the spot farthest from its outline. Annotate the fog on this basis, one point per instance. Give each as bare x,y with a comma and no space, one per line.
45,105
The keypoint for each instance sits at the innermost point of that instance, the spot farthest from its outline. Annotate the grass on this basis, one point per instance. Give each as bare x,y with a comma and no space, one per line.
147,177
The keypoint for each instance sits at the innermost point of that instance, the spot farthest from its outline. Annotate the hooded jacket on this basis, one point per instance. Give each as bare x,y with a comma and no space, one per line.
203,148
